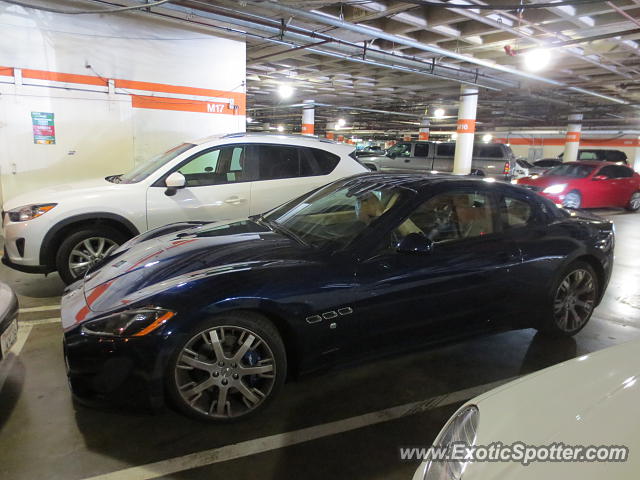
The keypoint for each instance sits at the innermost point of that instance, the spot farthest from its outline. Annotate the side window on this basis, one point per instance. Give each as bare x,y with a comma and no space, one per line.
489,151
218,166
515,212
278,161
445,149
421,150
608,171
623,172
450,216
314,161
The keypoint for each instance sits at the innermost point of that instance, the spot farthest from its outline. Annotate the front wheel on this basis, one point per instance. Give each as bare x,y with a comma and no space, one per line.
634,202
85,247
227,368
572,200
572,301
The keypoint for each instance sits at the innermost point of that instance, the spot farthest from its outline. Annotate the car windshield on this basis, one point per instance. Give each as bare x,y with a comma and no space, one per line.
337,214
571,170
145,169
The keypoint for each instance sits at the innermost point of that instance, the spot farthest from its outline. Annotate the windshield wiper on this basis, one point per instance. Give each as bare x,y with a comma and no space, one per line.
278,228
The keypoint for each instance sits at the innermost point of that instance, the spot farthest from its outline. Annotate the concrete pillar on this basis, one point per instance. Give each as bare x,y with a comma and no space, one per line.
341,138
308,118
635,161
423,133
329,135
572,140
466,130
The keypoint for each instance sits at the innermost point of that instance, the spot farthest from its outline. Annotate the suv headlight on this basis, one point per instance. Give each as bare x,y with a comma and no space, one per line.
558,188
461,428
129,323
29,212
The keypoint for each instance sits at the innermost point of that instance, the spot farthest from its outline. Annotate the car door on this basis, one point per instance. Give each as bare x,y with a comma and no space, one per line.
286,172
420,160
399,157
443,158
603,189
626,185
218,187
459,287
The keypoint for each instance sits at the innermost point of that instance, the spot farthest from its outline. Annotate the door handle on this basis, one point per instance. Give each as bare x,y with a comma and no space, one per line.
235,200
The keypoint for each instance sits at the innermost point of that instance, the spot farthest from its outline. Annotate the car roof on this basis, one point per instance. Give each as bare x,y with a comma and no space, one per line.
417,181
594,163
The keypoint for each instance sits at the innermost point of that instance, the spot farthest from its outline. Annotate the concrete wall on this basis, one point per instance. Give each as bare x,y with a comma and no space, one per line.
177,72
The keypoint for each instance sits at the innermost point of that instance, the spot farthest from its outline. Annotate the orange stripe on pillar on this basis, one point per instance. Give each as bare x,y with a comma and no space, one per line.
307,128
466,126
423,136
573,137
329,135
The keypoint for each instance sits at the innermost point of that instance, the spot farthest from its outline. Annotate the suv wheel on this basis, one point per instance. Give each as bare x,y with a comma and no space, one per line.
634,202
84,248
229,367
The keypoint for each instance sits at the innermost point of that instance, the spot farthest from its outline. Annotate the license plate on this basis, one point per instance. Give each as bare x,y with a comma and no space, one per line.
8,338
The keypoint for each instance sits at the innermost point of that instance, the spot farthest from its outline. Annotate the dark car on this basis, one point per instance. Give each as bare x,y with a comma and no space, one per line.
218,315
601,155
8,319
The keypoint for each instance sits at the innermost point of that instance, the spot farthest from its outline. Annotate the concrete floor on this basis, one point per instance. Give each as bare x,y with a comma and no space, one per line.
44,435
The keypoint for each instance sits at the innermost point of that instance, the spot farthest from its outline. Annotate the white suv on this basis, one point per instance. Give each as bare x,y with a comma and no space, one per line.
70,227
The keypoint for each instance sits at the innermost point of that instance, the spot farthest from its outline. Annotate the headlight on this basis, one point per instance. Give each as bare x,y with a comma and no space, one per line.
461,428
558,188
29,212
130,323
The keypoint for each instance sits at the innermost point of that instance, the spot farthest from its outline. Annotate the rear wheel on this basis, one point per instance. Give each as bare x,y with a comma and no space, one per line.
85,247
572,200
634,202
228,368
572,301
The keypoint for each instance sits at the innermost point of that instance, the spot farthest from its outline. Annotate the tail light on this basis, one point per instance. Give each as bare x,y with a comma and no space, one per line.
507,168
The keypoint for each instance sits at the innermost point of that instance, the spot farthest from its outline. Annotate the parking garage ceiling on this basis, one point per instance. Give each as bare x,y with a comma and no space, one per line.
383,64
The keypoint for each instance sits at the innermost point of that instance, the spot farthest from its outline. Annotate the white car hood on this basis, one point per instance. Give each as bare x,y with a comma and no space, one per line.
56,194
591,400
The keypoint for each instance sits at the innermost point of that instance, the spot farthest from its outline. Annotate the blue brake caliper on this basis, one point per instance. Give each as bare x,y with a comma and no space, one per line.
251,358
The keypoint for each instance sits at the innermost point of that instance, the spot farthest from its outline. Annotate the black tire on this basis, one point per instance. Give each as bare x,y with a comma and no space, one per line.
633,205
78,236
551,322
578,196
226,374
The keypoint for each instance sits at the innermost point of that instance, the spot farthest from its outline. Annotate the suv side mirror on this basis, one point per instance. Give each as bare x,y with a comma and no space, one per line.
173,182
415,243
601,177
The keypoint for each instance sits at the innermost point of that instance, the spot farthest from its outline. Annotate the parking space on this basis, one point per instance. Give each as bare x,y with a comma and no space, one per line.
347,423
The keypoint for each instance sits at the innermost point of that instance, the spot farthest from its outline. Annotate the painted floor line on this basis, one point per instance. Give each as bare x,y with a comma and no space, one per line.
40,321
7,364
39,309
281,440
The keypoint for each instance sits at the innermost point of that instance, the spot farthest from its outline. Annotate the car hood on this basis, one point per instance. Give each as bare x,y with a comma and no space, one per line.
183,256
544,181
590,400
58,193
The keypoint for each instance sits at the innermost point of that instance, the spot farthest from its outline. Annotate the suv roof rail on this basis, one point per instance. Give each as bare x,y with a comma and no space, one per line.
287,135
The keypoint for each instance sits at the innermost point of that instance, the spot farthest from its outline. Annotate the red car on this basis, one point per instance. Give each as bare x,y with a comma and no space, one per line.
588,185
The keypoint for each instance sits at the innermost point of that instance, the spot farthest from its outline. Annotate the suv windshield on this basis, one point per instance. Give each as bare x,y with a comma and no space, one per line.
337,214
569,170
145,169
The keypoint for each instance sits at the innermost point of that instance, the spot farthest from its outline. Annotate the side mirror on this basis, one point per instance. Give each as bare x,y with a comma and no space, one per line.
601,177
415,243
173,182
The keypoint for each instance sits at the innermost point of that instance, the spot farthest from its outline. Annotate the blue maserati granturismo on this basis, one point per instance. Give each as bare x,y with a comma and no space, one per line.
214,317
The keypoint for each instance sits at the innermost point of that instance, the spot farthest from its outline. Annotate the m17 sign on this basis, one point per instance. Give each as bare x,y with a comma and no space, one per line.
44,130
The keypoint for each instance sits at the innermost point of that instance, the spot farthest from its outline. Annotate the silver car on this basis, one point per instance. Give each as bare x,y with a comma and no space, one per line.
491,160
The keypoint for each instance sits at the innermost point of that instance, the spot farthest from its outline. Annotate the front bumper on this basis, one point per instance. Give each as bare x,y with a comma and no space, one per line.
22,245
115,371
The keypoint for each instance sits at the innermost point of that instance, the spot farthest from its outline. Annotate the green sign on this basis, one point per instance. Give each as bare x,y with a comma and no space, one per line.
44,130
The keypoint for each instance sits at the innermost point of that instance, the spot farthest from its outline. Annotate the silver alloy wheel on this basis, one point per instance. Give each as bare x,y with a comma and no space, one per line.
572,200
225,372
634,203
574,300
88,252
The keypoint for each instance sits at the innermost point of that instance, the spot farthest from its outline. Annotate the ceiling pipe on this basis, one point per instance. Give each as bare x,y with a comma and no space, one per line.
370,32
337,107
